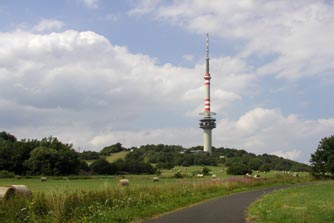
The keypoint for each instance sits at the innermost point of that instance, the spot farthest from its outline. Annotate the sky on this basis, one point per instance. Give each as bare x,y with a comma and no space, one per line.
97,72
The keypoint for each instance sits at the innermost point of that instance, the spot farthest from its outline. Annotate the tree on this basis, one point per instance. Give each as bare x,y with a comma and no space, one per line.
7,136
50,161
43,161
89,155
322,161
238,169
102,166
106,151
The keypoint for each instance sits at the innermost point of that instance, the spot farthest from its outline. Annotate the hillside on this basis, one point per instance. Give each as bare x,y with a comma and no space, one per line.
165,157
49,156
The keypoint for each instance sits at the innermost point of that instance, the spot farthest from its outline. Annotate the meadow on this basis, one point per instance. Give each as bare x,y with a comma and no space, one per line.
101,199
305,204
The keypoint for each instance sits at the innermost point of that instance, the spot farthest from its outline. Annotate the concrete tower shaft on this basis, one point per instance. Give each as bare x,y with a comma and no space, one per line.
207,123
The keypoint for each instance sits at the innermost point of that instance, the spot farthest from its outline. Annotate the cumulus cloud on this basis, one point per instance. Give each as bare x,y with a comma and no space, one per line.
263,130
80,80
295,37
48,25
258,130
80,87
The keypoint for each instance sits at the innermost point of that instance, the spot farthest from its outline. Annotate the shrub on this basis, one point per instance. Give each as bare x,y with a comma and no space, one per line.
102,166
206,170
6,174
178,175
238,170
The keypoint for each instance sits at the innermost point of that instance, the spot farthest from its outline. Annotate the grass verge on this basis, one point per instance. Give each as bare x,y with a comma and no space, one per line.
305,204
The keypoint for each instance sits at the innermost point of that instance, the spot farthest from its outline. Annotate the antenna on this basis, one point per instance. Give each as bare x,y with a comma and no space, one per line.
207,45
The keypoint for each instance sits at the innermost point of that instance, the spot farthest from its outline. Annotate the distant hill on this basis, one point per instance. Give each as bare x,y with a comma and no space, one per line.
168,156
49,156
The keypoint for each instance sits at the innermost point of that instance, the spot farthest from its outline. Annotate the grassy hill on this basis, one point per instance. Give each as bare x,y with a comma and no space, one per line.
115,156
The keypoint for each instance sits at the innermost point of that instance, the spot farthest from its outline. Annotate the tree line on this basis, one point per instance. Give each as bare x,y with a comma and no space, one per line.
49,156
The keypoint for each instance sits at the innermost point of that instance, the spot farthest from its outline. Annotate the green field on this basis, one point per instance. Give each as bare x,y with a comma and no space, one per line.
94,184
59,184
102,199
305,204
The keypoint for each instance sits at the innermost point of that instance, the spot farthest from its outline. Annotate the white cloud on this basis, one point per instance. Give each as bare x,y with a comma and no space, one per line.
292,155
83,89
48,25
93,4
59,81
171,136
269,131
259,130
295,36
143,7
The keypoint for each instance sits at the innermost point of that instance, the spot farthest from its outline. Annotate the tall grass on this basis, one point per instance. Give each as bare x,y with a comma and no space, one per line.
123,204
306,204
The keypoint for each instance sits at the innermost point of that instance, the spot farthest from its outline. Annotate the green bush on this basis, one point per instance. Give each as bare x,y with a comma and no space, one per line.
206,170
102,166
178,175
6,174
238,170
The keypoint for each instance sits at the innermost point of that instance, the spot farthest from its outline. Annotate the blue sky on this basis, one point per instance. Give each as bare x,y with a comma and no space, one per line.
97,72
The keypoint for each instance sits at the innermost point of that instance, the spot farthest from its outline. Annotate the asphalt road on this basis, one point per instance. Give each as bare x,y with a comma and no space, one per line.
227,209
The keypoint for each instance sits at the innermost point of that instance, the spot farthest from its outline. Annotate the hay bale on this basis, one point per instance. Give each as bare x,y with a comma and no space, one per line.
213,176
124,182
155,179
7,192
43,179
22,190
200,175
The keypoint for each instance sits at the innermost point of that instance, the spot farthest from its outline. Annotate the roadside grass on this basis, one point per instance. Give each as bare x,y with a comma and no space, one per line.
305,204
110,202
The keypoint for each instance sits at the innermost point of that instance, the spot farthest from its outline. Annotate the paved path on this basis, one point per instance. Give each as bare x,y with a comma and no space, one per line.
227,209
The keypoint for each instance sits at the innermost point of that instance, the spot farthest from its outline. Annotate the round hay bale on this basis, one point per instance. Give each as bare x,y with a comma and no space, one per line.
124,182
7,192
155,179
22,190
199,175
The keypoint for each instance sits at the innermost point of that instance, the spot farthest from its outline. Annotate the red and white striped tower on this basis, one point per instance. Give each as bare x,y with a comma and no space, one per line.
207,123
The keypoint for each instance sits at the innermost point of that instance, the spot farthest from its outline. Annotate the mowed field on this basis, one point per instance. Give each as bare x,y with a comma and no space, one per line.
79,183
305,204
102,199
